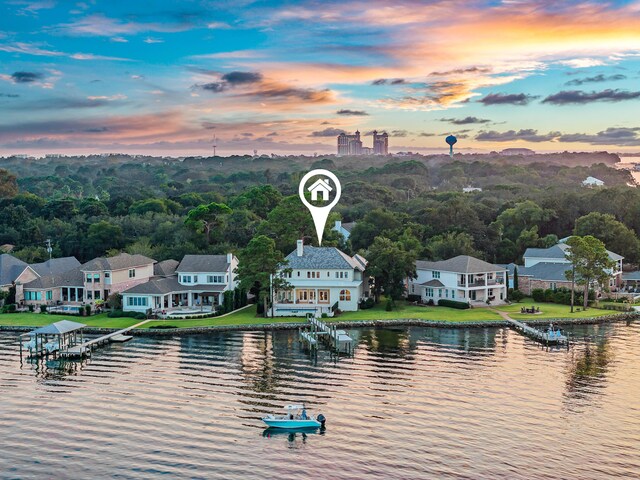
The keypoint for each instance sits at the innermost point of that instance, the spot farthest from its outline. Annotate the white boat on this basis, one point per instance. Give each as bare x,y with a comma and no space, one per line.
295,418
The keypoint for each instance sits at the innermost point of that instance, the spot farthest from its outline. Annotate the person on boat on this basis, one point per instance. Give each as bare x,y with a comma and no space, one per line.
304,414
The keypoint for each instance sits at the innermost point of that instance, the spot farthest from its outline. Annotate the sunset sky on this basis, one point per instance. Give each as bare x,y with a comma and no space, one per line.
286,77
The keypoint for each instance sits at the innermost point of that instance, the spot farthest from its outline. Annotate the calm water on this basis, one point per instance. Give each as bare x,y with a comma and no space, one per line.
412,403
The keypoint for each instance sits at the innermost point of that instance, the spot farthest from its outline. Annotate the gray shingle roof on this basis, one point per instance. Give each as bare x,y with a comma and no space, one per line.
71,278
349,226
323,257
165,268
119,262
559,251
433,283
460,264
203,264
162,286
10,268
548,271
55,266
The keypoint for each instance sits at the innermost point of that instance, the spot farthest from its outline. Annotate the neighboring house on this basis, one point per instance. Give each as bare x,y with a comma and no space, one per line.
462,278
66,287
322,279
471,189
198,281
322,188
344,228
544,275
10,269
106,275
592,182
555,255
38,271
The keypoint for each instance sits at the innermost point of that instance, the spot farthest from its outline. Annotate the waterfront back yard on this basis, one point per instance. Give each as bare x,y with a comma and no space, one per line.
403,310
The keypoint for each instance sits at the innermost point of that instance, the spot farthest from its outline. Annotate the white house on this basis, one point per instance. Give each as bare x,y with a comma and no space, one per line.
592,182
462,278
322,279
321,187
199,282
344,229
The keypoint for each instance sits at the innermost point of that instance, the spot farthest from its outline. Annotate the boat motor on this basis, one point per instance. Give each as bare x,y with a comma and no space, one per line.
321,418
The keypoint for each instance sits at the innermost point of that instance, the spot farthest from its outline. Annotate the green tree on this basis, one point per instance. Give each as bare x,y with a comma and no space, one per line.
289,222
205,218
590,263
257,263
523,216
260,200
615,235
102,236
8,184
516,285
451,244
378,222
390,265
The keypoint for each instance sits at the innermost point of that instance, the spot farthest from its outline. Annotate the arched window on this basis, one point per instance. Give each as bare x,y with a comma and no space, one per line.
345,295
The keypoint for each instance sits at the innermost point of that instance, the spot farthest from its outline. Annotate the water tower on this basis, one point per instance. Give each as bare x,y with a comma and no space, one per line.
451,140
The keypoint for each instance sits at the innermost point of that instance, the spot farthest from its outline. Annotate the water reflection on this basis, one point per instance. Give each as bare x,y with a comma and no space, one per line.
295,438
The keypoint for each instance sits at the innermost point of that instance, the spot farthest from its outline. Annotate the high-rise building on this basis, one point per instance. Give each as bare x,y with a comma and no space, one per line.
349,144
380,143
352,145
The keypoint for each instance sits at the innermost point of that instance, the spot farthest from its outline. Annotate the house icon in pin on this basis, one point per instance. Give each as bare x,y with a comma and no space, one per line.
320,186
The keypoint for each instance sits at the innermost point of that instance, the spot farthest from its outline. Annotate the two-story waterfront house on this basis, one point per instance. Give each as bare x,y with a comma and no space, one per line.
198,282
322,279
37,275
462,278
106,275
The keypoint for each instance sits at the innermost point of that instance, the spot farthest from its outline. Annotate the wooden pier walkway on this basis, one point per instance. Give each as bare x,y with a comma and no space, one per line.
545,337
84,349
337,340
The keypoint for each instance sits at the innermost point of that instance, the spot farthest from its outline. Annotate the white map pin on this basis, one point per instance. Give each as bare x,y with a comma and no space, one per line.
320,190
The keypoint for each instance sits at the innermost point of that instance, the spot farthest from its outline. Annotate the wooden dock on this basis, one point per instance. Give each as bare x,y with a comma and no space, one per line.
547,337
335,339
85,349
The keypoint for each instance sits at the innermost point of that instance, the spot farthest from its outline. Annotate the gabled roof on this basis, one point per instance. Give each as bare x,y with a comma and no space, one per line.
203,264
55,266
460,264
349,226
433,283
58,328
165,268
545,271
324,258
631,275
10,268
162,286
559,251
71,278
119,262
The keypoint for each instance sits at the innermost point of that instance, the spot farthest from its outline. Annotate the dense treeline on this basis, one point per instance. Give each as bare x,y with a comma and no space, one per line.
165,208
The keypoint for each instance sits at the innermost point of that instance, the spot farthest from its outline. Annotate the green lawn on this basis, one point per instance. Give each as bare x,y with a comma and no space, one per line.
405,310
550,310
248,316
38,319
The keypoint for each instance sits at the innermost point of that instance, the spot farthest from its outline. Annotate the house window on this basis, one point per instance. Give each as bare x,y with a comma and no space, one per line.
428,292
96,294
460,293
186,279
345,295
553,286
132,273
317,274
308,274
96,278
435,274
446,293
89,293
195,279
89,278
328,274
49,295
107,274
323,296
337,275
137,301
298,272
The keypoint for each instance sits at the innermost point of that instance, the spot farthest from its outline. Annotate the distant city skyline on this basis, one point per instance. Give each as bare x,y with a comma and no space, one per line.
163,78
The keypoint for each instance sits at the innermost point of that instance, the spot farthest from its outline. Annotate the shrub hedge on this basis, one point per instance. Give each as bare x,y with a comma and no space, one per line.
453,304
